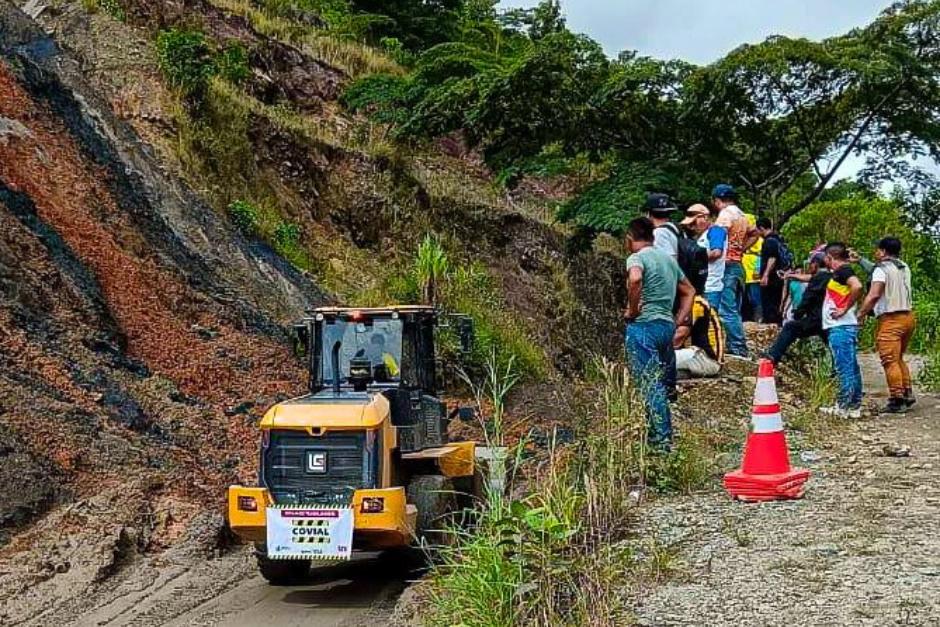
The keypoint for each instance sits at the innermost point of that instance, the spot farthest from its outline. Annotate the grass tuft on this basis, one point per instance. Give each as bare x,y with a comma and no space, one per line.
350,56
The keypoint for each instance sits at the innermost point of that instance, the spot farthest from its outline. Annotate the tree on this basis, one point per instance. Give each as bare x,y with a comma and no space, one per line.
417,24
538,22
778,118
859,221
540,99
787,107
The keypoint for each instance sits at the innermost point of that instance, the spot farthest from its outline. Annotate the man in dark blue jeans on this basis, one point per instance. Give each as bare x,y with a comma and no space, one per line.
653,281
840,321
740,238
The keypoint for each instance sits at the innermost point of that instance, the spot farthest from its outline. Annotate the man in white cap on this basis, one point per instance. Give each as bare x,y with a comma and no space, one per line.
714,239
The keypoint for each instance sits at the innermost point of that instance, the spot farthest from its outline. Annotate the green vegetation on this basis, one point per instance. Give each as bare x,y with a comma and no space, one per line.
471,290
186,59
286,235
326,30
929,376
430,269
231,63
776,118
245,216
859,218
561,554
189,60
928,322
498,380
111,7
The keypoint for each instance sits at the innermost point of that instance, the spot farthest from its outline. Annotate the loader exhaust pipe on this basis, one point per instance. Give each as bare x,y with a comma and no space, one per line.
334,362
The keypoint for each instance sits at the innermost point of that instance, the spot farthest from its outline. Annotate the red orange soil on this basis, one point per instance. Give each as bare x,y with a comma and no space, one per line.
153,308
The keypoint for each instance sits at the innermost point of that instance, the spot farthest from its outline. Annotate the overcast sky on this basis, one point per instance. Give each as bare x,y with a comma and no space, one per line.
704,30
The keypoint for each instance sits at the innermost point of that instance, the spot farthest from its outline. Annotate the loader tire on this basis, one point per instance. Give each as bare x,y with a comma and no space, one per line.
283,572
436,501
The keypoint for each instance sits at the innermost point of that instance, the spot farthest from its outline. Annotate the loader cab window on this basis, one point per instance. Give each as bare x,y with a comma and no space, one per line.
378,340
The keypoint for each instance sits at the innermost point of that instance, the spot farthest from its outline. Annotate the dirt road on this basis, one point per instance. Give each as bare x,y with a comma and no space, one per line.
862,548
350,594
183,590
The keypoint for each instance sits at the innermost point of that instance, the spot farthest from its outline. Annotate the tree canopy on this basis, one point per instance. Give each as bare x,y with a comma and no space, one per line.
777,118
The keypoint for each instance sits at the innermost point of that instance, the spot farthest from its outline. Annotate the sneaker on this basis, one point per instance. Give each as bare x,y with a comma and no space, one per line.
841,412
896,406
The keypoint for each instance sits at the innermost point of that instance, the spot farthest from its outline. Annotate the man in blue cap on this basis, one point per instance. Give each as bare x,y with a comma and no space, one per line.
740,237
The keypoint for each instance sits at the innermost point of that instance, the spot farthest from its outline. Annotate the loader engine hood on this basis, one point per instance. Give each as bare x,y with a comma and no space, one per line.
328,411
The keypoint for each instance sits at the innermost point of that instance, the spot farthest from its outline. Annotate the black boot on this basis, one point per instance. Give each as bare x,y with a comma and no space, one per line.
895,406
909,399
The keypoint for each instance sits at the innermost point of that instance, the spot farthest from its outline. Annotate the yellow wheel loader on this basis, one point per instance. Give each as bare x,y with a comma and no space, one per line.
362,462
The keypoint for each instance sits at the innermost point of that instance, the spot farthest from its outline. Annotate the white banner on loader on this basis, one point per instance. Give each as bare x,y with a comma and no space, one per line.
309,532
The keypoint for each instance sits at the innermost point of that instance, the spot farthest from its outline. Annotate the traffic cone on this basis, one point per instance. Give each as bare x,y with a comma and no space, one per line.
765,473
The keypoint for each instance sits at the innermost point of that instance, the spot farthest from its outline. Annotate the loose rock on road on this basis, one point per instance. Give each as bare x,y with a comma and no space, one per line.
862,548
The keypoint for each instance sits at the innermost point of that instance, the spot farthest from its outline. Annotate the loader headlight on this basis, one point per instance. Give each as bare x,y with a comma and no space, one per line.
373,505
247,504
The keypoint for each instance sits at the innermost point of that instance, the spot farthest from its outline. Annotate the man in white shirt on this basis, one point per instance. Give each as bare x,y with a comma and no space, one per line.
714,239
891,300
659,208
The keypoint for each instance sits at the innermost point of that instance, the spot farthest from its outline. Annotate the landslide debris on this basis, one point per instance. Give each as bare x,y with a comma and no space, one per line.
108,268
142,335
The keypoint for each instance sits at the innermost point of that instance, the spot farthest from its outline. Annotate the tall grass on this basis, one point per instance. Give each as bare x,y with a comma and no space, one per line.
559,555
335,49
498,380
431,267
812,363
927,342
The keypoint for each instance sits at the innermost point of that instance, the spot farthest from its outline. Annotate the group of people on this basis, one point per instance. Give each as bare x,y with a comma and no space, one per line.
682,278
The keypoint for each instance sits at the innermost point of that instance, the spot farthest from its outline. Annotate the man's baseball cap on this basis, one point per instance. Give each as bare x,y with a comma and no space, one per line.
659,203
723,190
694,212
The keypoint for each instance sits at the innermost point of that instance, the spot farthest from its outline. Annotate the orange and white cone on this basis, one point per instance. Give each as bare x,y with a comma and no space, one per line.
765,473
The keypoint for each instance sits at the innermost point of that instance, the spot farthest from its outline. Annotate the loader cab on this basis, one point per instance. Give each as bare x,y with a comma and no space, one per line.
355,353
358,350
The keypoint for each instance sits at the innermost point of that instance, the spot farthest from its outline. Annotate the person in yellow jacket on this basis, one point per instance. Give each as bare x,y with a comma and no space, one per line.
700,344
381,357
750,304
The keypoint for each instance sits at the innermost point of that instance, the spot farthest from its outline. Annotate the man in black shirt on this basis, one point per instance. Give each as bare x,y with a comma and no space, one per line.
771,285
807,317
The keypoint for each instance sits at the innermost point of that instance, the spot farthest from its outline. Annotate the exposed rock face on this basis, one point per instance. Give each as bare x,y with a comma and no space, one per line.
107,265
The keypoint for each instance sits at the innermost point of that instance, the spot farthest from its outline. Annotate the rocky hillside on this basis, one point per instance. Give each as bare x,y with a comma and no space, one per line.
143,326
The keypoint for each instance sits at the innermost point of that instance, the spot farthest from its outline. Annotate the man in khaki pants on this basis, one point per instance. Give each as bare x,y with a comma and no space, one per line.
891,300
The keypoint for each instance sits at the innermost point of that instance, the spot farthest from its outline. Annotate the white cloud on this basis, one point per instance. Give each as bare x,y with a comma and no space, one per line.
704,30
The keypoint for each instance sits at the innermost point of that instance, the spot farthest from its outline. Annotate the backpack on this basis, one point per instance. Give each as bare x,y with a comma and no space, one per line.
692,258
708,333
785,259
